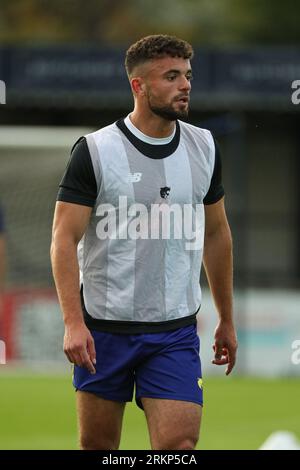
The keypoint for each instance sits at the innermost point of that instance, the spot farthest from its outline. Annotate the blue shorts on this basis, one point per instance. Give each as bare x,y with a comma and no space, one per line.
160,365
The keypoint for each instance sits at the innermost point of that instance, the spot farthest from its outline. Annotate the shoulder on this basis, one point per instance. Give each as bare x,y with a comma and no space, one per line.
107,131
186,126
198,133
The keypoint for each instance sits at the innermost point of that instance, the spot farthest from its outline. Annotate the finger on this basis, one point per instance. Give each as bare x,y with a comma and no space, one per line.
86,362
70,352
69,355
220,362
74,356
222,359
91,349
231,362
218,351
76,359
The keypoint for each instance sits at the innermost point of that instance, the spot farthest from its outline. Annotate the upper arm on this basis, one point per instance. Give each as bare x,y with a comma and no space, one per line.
76,196
78,184
70,221
215,218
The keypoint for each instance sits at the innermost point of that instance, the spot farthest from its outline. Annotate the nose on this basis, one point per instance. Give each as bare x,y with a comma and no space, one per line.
185,84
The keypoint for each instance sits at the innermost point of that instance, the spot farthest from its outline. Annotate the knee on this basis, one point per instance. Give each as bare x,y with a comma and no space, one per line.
177,443
86,443
186,444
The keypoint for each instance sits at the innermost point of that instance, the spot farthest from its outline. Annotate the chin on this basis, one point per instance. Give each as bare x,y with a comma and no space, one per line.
170,113
182,114
183,111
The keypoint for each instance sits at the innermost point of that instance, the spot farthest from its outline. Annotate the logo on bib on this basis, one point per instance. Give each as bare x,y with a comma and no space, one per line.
164,192
134,177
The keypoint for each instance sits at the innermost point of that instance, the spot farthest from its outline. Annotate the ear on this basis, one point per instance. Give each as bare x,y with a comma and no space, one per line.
138,86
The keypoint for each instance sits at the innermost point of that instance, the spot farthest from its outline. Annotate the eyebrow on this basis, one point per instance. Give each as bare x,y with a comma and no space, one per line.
178,72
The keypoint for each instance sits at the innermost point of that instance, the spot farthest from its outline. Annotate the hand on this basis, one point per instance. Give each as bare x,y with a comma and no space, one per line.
79,346
225,346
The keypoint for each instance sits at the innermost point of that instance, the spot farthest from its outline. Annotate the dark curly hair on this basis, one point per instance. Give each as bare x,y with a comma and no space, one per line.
154,46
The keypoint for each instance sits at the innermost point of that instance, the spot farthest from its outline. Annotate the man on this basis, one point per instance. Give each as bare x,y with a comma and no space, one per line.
130,310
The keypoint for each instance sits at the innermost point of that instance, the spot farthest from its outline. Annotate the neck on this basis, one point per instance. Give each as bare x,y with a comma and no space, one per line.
151,124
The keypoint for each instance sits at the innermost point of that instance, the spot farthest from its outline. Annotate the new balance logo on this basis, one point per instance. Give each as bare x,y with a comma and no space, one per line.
134,177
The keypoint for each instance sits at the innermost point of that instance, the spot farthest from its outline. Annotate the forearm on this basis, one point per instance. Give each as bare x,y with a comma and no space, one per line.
219,271
66,275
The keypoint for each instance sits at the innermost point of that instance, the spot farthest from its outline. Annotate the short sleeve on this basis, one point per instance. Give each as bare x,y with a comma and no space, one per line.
216,190
78,184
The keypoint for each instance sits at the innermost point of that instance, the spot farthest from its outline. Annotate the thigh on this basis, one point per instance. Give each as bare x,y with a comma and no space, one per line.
99,422
173,370
172,424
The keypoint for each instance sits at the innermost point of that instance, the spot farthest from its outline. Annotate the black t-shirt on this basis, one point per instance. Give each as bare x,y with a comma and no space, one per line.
79,186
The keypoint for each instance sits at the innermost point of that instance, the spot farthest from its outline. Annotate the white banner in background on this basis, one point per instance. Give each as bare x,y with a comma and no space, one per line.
268,323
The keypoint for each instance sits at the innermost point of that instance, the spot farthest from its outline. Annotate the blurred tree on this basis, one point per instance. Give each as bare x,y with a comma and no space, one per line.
207,22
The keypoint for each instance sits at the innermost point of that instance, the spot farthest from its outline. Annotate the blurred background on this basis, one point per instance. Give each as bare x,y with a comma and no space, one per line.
62,64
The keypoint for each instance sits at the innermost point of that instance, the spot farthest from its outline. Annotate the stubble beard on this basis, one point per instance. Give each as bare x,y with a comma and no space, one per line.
168,112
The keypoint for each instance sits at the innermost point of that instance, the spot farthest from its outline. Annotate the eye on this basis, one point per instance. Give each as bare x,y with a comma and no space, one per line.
189,77
171,78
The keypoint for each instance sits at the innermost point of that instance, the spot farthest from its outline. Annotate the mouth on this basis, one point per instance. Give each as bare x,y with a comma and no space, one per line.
183,99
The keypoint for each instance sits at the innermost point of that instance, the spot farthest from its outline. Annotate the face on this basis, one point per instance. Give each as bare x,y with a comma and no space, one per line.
167,84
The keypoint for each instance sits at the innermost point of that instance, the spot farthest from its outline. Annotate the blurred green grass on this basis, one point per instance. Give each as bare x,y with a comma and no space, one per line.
38,412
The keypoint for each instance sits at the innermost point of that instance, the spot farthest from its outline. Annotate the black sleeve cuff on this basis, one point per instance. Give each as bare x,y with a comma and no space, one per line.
216,190
69,195
217,197
78,184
